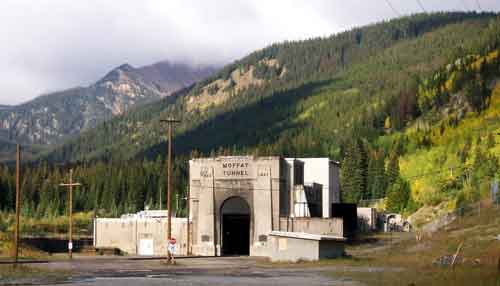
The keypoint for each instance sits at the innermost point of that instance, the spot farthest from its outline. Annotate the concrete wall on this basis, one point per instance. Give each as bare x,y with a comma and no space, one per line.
126,234
328,226
214,180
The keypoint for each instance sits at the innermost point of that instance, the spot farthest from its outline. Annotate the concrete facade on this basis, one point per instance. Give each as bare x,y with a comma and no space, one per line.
268,187
139,235
258,181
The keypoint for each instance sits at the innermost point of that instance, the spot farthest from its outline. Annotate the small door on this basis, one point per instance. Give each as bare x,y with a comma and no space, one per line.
146,246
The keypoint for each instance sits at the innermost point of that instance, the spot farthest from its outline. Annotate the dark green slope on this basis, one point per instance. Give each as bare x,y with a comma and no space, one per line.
331,88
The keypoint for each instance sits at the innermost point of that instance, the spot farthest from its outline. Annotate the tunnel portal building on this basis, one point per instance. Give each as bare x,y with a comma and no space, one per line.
245,205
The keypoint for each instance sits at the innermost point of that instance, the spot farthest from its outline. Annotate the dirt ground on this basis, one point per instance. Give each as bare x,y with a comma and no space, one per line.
377,259
187,271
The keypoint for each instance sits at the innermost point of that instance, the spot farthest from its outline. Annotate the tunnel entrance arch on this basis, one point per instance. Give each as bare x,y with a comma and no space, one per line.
235,226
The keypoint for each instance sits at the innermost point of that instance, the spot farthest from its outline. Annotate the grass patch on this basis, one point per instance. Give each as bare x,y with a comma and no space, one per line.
26,275
398,259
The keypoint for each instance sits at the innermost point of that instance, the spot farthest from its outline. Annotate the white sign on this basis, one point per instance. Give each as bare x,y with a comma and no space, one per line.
70,245
171,248
146,247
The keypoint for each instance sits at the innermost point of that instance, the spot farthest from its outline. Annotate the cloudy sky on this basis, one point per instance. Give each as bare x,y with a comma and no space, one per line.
48,45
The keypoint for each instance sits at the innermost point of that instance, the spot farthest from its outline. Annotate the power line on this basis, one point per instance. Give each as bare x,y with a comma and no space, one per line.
432,173
393,8
478,6
421,6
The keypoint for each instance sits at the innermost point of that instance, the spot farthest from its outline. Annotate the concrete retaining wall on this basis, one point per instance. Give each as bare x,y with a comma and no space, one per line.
126,234
329,226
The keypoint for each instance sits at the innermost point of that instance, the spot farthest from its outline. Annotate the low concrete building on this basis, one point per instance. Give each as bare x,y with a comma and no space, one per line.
297,246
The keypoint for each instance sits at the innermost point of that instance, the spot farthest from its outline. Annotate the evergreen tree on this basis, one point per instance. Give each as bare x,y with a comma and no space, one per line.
376,179
398,195
392,171
353,173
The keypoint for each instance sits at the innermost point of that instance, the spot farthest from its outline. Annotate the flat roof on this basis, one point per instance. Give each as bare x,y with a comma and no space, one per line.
310,236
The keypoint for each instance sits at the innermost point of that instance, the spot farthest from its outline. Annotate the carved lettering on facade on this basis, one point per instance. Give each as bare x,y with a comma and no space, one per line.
205,172
235,170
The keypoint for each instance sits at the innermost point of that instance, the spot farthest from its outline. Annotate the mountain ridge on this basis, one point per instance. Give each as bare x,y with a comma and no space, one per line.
50,118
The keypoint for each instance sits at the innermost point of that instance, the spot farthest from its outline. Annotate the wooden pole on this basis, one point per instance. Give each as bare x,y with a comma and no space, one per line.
70,208
18,204
169,184
170,122
214,212
70,202
271,195
188,202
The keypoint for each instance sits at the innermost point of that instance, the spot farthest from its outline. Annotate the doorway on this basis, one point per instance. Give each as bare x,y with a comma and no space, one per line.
235,226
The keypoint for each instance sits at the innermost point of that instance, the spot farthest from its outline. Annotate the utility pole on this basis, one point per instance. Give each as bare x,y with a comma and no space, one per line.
18,203
188,252
70,204
170,122
176,205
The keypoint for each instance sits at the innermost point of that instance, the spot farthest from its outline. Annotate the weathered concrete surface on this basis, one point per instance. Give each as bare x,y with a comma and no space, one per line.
293,246
329,226
127,234
257,180
265,184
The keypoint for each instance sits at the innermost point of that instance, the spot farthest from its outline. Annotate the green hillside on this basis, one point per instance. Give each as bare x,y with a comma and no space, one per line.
359,96
374,60
452,150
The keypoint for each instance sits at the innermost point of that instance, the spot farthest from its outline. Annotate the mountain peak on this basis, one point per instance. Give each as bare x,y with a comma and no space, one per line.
125,67
117,73
77,109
